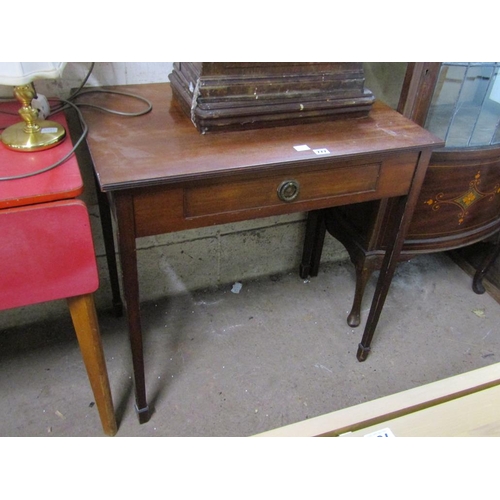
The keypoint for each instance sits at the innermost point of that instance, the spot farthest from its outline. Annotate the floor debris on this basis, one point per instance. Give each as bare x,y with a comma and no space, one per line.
478,312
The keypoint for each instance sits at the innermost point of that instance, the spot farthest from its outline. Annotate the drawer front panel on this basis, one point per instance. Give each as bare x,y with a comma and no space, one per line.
286,188
175,207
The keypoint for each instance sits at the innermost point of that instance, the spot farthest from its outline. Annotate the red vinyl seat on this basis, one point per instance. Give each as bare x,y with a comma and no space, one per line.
47,253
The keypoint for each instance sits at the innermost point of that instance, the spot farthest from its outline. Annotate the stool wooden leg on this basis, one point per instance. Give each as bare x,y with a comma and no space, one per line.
84,316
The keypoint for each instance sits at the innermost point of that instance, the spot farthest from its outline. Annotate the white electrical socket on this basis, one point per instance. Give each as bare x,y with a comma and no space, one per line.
41,104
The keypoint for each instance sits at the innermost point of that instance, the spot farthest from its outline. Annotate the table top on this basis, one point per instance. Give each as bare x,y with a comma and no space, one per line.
62,182
163,146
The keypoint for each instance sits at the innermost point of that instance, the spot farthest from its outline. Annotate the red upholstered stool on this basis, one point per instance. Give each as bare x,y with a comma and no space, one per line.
47,253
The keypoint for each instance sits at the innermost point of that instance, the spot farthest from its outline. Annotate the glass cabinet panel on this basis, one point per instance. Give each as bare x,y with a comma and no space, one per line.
465,108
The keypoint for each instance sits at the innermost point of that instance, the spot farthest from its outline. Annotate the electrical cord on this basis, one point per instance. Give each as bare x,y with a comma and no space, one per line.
66,103
149,106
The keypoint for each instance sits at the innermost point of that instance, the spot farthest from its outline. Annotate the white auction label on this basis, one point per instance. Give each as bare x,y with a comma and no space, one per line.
382,433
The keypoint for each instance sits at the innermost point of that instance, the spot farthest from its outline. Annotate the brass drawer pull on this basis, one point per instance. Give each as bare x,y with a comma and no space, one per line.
288,190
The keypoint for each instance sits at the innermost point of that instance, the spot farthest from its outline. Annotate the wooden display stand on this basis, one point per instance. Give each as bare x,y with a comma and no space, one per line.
223,96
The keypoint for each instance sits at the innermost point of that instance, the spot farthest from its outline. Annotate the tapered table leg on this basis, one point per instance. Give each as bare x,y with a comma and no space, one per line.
128,257
404,208
109,245
84,316
384,281
313,244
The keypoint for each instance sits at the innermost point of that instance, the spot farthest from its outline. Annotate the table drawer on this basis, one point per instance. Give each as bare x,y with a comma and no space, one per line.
174,207
288,187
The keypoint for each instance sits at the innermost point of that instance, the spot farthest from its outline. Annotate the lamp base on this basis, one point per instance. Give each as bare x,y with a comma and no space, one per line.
48,135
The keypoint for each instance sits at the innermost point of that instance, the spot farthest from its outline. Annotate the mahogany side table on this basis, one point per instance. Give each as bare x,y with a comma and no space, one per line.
47,252
162,175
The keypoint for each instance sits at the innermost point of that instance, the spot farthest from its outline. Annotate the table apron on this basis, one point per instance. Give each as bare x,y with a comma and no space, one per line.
187,205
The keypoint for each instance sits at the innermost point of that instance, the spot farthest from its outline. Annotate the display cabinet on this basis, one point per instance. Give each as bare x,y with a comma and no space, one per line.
459,203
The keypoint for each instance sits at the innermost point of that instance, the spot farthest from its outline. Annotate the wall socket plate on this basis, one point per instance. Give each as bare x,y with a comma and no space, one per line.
41,104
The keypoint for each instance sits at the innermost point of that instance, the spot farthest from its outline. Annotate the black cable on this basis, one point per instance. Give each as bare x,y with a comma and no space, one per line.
149,106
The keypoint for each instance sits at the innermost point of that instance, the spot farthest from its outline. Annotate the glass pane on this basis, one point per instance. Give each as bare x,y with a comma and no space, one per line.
465,108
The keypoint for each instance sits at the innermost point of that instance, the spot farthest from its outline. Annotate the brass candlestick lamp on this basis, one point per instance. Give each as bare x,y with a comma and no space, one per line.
33,133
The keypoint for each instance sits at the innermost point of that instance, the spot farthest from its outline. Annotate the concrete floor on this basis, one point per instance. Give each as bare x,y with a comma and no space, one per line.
220,363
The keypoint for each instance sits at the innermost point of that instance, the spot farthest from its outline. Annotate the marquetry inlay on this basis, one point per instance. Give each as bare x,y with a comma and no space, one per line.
465,200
